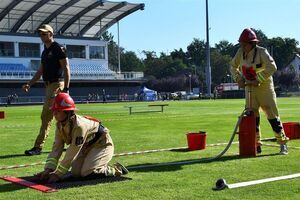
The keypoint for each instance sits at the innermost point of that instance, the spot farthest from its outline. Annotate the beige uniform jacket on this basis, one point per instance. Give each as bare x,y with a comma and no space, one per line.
259,59
77,137
259,65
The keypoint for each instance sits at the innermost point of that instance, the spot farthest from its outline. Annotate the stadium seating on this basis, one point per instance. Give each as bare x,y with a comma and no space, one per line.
15,71
79,70
90,70
12,67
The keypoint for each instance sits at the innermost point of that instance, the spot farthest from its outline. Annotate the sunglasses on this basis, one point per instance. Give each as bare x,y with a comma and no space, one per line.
43,34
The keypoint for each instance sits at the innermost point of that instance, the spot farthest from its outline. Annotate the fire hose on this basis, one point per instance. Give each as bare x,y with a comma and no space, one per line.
158,150
198,160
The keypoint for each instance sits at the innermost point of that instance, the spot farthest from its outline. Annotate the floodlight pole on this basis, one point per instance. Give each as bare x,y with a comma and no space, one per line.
119,50
208,68
190,83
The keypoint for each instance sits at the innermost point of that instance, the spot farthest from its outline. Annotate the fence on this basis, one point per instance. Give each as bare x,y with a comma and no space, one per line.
37,100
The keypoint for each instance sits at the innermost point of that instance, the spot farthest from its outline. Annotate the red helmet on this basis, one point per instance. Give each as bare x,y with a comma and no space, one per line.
248,35
63,102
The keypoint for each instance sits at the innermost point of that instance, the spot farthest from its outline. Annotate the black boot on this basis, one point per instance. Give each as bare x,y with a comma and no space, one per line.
258,149
33,151
120,169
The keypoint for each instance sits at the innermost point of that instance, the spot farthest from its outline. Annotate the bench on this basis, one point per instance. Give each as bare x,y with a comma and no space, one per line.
144,111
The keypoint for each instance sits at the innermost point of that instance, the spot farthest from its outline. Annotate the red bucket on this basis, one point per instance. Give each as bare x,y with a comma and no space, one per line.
2,116
196,141
292,130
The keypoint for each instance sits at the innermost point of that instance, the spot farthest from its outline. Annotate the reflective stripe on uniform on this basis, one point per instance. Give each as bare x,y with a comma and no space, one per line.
110,171
260,77
62,169
236,77
52,162
281,138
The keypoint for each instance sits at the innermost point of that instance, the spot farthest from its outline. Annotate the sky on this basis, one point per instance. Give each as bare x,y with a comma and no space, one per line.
166,25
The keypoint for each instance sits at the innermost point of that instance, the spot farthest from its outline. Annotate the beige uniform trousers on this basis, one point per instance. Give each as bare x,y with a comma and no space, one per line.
47,116
95,160
264,97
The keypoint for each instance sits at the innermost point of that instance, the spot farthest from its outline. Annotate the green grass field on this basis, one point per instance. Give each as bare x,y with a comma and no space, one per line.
155,130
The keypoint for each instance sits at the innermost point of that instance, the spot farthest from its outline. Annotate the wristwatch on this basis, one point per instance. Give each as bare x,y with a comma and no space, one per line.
66,89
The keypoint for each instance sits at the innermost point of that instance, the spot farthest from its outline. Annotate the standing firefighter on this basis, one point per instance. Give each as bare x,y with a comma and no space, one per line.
252,67
90,145
55,71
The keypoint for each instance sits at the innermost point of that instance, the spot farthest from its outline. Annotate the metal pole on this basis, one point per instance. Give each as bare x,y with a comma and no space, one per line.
208,68
190,82
119,51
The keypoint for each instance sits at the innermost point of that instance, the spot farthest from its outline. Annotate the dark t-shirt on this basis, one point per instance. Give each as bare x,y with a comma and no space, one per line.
52,71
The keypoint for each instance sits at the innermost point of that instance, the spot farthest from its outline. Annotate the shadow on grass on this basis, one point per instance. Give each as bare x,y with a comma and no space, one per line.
10,187
69,182
180,150
12,156
18,155
177,165
22,155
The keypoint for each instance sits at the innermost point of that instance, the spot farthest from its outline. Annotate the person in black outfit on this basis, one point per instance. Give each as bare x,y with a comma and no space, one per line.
103,96
55,71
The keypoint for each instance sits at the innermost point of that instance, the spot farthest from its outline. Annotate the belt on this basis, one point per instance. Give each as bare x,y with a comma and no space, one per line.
52,81
98,134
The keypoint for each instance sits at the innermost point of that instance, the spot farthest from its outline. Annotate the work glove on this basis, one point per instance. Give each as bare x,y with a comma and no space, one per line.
53,178
249,73
44,175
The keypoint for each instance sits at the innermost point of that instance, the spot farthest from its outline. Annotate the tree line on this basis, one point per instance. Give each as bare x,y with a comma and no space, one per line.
169,73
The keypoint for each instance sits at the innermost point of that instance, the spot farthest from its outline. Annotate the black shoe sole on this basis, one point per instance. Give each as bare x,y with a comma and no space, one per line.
124,170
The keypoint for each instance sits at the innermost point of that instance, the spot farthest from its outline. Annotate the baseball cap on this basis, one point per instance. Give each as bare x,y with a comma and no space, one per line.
45,28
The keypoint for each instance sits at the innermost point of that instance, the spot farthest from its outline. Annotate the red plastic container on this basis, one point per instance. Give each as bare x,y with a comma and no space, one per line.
196,141
2,116
292,130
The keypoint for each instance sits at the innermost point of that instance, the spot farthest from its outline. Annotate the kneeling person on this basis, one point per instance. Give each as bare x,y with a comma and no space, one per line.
90,145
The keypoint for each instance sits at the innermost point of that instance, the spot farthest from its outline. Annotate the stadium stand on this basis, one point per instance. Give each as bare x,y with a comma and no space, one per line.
90,70
15,70
21,46
11,67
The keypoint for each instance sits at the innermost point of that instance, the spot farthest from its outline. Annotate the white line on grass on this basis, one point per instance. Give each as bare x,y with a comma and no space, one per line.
148,151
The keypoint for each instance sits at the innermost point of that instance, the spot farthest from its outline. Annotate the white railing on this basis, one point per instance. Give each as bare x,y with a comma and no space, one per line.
77,76
21,100
130,75
25,75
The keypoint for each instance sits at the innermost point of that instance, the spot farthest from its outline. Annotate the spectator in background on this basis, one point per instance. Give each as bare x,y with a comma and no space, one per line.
8,100
103,96
55,70
215,93
16,98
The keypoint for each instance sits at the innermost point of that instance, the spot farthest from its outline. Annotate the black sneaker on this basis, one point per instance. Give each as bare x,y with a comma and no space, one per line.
33,151
122,168
258,149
